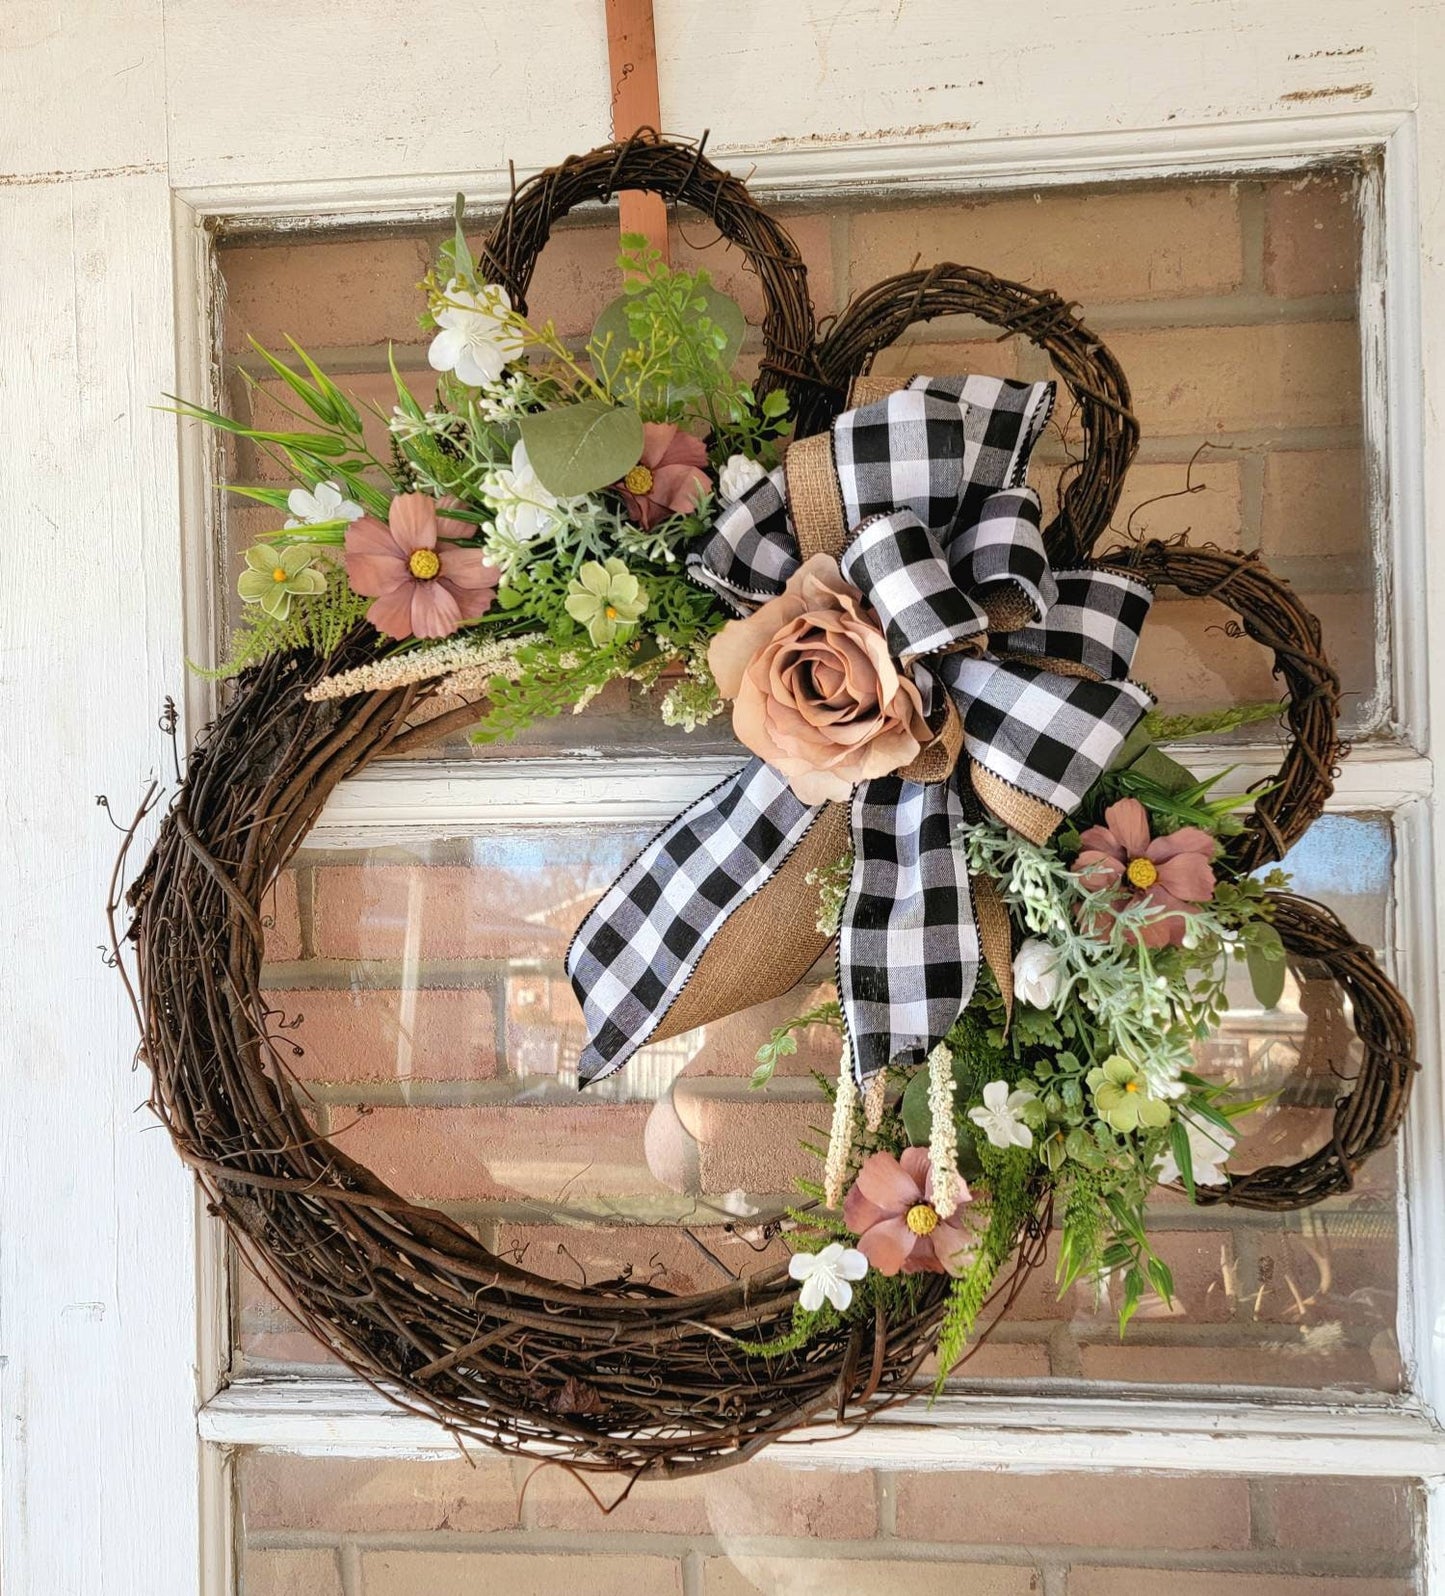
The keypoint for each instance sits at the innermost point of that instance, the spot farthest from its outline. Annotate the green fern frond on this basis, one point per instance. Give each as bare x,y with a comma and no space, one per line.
1010,1202
318,624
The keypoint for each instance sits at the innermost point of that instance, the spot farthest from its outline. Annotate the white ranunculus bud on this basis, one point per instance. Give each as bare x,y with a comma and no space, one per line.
1036,973
737,476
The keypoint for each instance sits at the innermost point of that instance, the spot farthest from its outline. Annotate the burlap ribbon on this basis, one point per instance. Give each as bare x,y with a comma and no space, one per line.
1021,667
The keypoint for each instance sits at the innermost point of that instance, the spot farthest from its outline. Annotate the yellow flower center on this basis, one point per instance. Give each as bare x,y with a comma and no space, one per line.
1131,1086
921,1219
1142,873
610,613
638,479
424,564
279,574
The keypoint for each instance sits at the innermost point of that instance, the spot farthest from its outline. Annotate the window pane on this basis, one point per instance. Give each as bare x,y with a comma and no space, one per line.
437,1037
762,1529
1231,306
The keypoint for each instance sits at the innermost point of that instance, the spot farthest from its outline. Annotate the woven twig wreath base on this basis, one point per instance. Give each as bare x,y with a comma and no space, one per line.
880,315
622,1375
610,1377
681,175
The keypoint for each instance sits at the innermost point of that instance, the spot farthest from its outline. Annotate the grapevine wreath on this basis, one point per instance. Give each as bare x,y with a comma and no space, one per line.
953,777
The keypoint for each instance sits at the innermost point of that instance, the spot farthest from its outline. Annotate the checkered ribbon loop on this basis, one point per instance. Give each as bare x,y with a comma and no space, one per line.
945,545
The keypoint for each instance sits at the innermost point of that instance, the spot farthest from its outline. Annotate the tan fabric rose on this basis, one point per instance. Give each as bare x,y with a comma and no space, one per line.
816,693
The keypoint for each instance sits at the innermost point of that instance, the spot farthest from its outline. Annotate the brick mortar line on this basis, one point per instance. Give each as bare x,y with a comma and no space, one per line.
1247,308
1055,1580
1156,448
306,910
578,1214
840,241
349,1559
1264,1529
885,1504
665,1544
501,1091
1252,204
507,1092
1170,448
1081,1332
1251,501
252,1363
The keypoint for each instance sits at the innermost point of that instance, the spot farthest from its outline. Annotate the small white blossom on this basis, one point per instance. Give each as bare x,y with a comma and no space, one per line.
325,503
1000,1117
737,476
827,1274
1037,976
1209,1148
476,340
525,511
503,401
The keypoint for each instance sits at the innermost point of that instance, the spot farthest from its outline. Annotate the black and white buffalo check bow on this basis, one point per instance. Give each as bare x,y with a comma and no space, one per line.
943,540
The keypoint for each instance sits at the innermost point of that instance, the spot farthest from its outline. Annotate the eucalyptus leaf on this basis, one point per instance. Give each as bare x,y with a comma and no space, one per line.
579,448
1265,960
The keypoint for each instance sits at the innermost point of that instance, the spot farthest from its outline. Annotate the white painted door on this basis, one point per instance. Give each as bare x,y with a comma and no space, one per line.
128,127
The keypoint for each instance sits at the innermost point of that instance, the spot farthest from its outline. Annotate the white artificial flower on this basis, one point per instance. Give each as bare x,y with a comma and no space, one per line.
1209,1147
476,341
1000,1117
525,510
325,504
737,476
826,1274
1037,976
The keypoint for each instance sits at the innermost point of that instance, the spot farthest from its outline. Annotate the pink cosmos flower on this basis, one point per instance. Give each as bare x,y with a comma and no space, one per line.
899,1230
668,479
1171,873
422,588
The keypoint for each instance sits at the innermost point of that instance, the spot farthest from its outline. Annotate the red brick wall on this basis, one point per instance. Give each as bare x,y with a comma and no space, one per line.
1230,305
436,1036
454,1529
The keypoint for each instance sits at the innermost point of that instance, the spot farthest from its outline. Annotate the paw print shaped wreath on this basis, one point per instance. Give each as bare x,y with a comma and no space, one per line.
1002,647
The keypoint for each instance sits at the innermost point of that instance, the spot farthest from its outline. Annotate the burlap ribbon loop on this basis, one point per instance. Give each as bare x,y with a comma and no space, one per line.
919,495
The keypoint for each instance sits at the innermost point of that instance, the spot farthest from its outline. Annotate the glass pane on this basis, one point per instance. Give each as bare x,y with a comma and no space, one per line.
763,1529
1231,306
437,1038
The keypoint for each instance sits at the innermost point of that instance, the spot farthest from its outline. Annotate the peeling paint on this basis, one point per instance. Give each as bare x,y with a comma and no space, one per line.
1328,55
33,179
916,130
1353,91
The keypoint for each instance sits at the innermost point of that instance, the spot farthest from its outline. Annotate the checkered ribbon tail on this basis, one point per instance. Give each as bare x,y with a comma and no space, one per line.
945,543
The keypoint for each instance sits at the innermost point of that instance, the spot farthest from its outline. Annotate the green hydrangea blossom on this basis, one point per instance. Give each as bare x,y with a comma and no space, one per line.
1122,1098
273,577
604,599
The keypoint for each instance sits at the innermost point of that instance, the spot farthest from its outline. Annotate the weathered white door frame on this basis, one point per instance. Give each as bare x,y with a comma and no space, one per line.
110,1307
